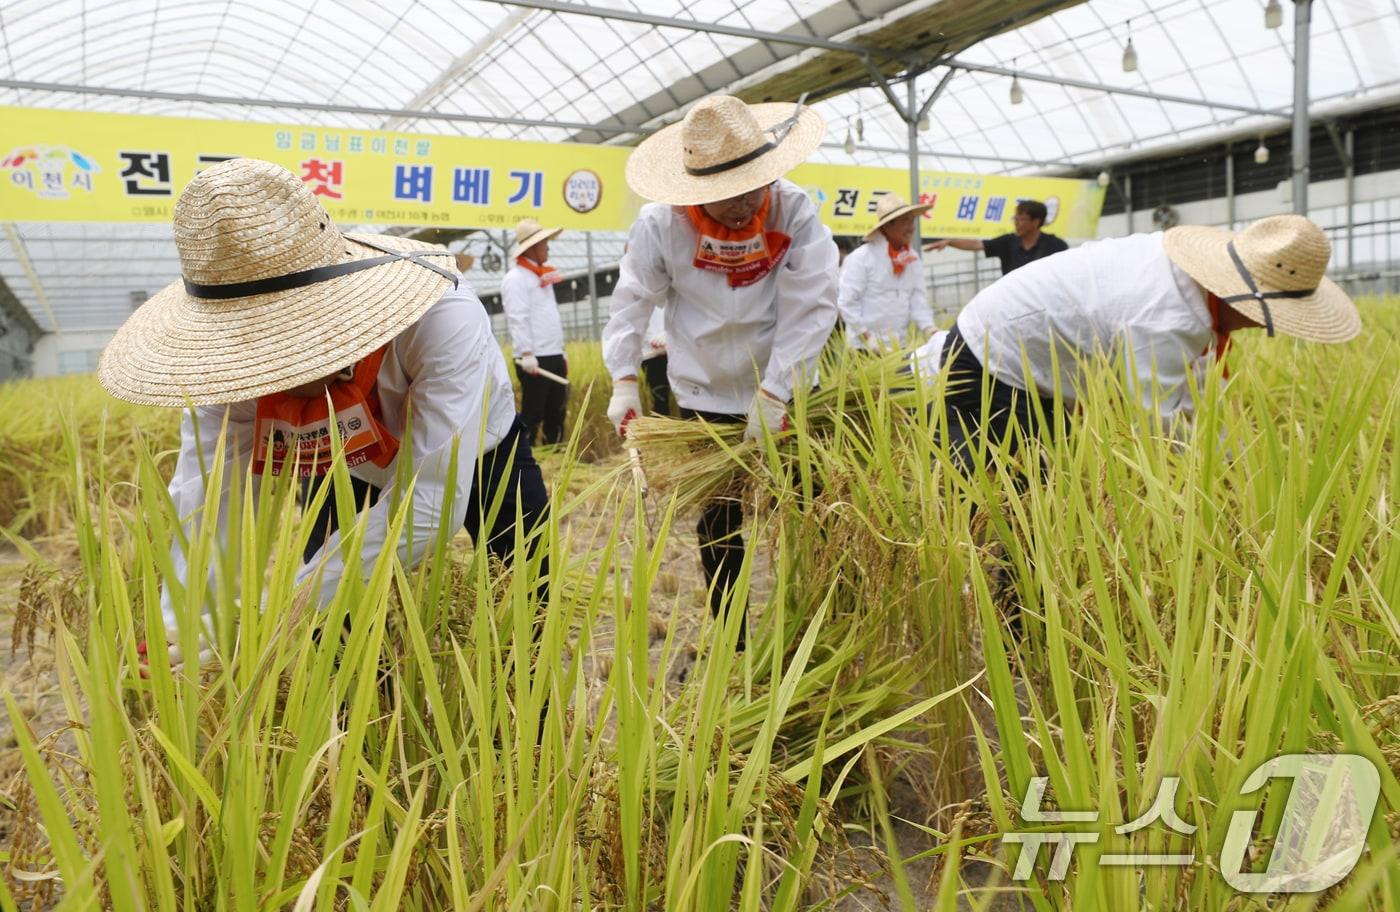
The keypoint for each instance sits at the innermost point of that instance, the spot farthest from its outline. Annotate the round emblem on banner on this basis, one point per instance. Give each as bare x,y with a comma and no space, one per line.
1052,209
583,190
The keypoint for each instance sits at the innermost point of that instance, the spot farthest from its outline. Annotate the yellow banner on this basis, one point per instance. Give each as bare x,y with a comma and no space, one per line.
93,167
964,205
82,166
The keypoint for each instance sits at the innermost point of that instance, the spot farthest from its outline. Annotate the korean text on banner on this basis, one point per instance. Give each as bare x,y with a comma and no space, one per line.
95,167
964,205
85,166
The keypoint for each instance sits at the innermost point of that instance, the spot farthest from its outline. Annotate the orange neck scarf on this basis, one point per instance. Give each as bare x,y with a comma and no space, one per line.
745,254
900,257
548,275
290,430
1222,336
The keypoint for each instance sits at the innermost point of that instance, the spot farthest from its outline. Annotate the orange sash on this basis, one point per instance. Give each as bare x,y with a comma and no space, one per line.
548,274
289,429
745,254
901,257
1222,337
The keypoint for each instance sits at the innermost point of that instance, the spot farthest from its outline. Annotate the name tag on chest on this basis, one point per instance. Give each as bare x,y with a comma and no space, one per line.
280,442
732,255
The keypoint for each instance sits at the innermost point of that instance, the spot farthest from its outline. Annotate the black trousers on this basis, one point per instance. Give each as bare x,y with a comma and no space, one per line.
544,402
659,383
511,465
1007,406
721,546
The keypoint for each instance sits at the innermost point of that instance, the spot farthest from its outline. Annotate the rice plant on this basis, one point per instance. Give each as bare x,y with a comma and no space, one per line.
417,743
1106,611
35,484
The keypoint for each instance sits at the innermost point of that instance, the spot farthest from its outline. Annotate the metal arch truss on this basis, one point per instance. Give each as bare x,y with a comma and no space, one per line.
868,54
405,113
694,25
966,156
461,65
1115,90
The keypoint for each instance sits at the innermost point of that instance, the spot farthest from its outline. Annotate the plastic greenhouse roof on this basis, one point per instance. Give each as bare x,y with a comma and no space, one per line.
513,61
1198,49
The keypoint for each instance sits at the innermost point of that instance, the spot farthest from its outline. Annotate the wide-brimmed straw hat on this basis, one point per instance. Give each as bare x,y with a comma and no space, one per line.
723,148
272,294
1272,272
892,206
528,233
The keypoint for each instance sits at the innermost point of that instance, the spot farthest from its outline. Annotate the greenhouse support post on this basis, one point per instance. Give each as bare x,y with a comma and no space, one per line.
1351,198
1230,186
1128,200
1302,18
592,285
911,119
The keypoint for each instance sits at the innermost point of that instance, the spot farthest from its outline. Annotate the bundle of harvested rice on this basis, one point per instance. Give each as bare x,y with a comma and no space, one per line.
697,460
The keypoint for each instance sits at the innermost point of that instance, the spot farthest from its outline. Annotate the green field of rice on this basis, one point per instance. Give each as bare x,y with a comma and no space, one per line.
1147,606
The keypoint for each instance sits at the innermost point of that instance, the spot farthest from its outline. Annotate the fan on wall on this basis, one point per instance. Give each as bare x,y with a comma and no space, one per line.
491,261
1164,217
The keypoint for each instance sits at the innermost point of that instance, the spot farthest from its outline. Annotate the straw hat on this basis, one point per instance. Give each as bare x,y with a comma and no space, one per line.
272,294
528,233
1272,272
723,148
892,206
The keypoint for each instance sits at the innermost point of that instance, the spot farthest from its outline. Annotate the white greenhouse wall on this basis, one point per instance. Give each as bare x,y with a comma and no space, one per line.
1377,200
69,352
955,276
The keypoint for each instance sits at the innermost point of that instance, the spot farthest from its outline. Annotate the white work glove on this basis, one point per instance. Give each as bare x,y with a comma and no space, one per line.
930,356
173,654
765,411
626,404
529,364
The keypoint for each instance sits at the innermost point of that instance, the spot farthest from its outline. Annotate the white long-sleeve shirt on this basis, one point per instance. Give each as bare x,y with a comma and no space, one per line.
532,314
1121,297
654,341
448,368
874,300
722,340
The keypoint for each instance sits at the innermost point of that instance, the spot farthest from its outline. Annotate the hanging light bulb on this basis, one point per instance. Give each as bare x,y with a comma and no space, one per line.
1017,96
850,143
1273,15
1104,178
860,124
1129,58
924,124
1261,154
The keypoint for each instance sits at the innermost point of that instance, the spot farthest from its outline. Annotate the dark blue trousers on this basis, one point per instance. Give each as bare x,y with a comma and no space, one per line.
512,465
